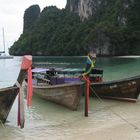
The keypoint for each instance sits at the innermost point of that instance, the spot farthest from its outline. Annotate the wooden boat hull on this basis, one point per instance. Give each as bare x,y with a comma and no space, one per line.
7,97
126,89
67,95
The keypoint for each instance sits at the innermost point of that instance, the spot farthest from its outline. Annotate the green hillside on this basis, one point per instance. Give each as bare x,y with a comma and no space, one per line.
60,32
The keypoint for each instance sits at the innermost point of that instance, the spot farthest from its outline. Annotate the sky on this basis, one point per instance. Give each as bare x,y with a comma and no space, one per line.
11,17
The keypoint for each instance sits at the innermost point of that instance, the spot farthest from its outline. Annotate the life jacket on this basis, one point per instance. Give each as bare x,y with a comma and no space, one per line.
91,63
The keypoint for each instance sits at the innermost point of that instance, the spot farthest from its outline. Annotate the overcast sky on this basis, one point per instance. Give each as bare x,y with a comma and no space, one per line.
11,17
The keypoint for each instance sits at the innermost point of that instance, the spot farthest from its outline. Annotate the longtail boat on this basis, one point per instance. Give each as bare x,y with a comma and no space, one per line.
8,95
65,91
67,94
125,89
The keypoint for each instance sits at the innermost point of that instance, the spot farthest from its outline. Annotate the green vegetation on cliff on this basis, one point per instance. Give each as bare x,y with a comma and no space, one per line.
60,32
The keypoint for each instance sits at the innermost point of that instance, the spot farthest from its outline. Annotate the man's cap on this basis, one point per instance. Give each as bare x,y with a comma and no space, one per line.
92,54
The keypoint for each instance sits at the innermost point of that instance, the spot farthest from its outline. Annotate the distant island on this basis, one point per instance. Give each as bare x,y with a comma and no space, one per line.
110,27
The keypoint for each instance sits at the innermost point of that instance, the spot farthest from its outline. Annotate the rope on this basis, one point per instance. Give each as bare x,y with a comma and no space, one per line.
96,94
101,100
18,84
2,124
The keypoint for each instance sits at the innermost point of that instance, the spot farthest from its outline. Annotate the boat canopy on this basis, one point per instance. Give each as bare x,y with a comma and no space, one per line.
39,70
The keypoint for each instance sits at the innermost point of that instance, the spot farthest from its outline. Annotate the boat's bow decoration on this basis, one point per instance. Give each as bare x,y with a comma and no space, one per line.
26,66
87,94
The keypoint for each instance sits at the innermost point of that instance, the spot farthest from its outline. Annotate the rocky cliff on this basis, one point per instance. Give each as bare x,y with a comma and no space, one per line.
30,16
88,8
84,8
113,14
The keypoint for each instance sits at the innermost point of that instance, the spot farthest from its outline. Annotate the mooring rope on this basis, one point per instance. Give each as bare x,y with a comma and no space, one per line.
101,100
2,124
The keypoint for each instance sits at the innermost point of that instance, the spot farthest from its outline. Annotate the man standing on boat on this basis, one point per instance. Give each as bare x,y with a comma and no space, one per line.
90,62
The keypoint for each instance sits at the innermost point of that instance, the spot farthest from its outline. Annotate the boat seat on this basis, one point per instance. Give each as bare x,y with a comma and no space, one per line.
42,79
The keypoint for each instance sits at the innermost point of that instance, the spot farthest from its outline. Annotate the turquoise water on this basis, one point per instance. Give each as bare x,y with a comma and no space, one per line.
9,69
48,121
114,68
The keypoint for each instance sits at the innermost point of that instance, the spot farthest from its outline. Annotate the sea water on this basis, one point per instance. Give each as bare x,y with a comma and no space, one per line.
107,120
